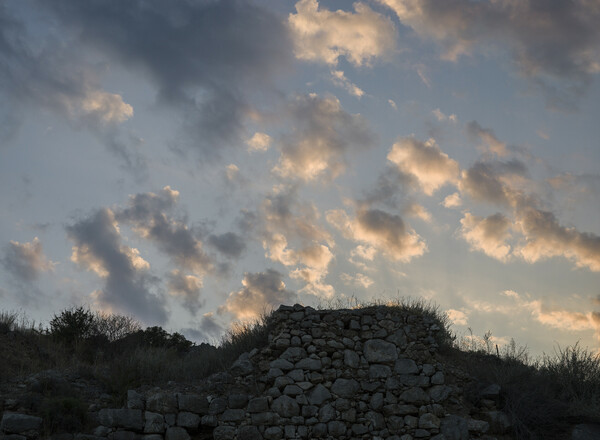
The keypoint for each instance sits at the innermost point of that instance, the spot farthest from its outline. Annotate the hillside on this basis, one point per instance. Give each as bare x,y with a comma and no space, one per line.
387,372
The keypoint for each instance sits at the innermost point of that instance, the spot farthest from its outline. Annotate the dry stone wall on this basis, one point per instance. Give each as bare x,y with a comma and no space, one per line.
370,373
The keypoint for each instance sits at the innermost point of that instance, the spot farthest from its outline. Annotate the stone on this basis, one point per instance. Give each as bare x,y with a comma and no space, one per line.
319,430
345,387
397,338
122,435
428,369
285,406
415,395
15,423
380,351
237,400
223,433
293,354
437,378
193,403
264,418
273,433
318,395
326,413
296,375
282,364
351,359
154,423
395,423
309,364
209,420
258,404
378,371
134,400
336,429
376,402
162,403
121,418
217,405
188,420
249,432
292,390
152,437
439,393
177,433
406,366
289,431
454,428
242,366
429,421
377,421
233,415
479,426
359,429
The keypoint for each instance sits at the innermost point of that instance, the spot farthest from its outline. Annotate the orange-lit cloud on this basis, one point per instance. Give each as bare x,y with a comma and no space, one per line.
323,35
260,293
431,167
383,231
487,234
26,261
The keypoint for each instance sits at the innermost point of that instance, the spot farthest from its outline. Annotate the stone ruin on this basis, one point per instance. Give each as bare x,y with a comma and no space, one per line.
370,373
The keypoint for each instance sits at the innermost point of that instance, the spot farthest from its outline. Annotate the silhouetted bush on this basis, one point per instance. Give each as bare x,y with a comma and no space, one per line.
73,325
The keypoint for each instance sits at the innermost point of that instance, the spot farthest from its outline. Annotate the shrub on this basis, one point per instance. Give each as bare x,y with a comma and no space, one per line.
73,325
114,326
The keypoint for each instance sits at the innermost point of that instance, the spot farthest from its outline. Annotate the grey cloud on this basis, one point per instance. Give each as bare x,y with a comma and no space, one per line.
229,244
25,261
554,43
545,237
208,329
484,181
128,285
147,212
187,288
322,136
57,78
200,55
261,292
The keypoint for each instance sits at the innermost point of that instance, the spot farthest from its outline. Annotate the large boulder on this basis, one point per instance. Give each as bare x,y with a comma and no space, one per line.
379,351
14,423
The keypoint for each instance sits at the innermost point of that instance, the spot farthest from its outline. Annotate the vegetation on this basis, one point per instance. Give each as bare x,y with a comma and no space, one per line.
543,396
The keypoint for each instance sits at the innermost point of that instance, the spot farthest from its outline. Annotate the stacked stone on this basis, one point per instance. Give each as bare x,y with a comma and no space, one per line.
369,373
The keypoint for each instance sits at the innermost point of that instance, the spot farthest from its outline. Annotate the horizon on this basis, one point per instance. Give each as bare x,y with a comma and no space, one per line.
192,164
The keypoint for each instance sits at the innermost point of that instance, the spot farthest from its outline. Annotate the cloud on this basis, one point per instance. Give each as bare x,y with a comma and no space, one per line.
442,117
292,236
259,142
322,135
550,42
208,329
340,80
358,279
261,292
458,317
26,261
488,234
147,212
424,161
229,244
383,231
452,201
418,211
545,238
323,35
494,181
201,56
392,104
488,137
187,288
51,75
129,287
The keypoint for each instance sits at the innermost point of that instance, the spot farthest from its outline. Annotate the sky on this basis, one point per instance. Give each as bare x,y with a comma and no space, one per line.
196,163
